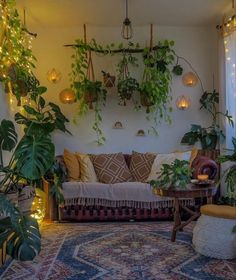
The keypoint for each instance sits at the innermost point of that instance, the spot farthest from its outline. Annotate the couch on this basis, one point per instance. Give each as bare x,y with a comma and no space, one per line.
92,201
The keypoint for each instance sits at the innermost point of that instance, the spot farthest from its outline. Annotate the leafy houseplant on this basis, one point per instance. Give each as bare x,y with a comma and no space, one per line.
176,175
229,175
208,136
16,55
155,87
32,158
88,90
127,85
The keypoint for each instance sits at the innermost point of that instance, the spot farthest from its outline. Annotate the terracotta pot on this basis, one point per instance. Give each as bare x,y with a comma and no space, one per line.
145,101
89,98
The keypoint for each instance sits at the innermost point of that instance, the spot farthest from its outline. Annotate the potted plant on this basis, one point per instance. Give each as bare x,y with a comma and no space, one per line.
155,86
229,175
90,92
175,175
208,136
32,158
126,85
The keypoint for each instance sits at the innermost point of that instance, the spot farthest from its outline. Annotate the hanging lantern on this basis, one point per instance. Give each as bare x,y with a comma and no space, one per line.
183,102
39,205
127,31
190,79
53,76
67,96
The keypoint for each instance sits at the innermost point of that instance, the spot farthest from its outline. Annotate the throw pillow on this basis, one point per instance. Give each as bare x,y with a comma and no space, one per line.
140,165
72,165
111,168
86,168
167,159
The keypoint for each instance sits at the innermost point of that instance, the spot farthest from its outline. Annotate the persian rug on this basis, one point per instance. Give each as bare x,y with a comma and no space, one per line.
117,251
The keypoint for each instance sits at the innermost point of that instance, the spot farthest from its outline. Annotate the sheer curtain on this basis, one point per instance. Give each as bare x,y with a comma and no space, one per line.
230,84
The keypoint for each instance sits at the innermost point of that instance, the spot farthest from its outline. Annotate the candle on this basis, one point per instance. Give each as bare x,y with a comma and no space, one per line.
202,177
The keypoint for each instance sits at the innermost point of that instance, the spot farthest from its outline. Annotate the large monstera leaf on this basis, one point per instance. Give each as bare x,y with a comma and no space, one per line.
34,156
8,135
20,232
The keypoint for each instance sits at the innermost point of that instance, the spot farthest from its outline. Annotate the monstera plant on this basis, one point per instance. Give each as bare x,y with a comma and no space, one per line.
32,158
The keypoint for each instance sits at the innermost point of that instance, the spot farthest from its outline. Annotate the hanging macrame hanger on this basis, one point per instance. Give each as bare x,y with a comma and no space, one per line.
151,37
90,71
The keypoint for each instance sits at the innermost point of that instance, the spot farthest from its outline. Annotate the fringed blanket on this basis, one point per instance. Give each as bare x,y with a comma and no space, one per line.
128,194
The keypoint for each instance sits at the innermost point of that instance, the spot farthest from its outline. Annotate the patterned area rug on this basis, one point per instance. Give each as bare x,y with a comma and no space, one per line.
119,251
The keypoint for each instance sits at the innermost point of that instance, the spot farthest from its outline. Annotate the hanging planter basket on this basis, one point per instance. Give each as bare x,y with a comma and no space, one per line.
126,86
90,93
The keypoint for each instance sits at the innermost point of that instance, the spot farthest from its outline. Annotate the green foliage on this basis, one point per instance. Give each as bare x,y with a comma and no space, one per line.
127,85
234,229
34,156
89,92
41,117
22,232
177,174
177,70
208,136
15,44
155,87
8,137
229,175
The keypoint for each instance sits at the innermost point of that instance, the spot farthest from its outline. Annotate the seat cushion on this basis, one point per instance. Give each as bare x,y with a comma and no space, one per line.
220,211
140,165
111,168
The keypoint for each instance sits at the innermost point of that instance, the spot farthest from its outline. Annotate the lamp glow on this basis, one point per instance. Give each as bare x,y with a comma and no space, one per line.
53,76
183,102
190,79
67,96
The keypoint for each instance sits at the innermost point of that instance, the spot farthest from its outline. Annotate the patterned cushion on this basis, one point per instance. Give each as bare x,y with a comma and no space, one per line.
111,168
140,165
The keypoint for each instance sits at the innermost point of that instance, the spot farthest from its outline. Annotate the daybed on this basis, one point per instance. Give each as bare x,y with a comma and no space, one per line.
90,201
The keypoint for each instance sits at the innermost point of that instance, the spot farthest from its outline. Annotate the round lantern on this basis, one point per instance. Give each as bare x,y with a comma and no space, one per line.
183,103
67,96
190,79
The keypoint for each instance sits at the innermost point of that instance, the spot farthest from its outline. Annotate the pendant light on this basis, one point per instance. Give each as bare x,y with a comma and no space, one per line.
127,31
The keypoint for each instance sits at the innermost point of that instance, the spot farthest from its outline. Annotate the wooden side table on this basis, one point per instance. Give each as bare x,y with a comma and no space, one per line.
192,191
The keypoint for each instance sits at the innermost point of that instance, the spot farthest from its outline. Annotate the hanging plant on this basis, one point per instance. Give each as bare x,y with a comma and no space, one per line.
88,91
155,86
127,85
16,58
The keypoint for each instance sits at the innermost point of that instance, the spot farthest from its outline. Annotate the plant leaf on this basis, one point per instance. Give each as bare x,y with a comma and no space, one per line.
8,135
34,156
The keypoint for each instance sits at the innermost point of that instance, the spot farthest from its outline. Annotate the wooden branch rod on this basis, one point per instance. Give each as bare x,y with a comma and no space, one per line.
123,50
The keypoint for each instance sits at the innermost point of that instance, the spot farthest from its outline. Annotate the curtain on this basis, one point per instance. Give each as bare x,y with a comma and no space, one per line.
230,84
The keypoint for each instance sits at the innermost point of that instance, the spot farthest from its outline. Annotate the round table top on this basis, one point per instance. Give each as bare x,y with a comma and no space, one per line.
191,191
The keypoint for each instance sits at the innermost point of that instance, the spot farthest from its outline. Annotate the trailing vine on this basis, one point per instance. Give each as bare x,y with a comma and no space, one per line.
16,55
154,88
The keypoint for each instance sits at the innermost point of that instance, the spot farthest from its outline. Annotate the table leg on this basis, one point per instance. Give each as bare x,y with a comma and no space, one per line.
177,219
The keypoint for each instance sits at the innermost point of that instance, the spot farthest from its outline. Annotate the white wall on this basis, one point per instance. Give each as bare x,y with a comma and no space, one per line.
198,45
